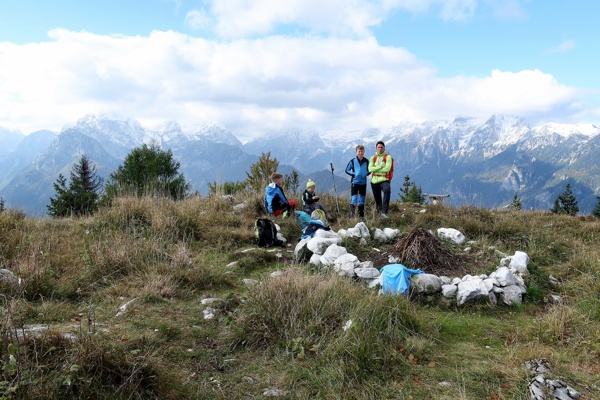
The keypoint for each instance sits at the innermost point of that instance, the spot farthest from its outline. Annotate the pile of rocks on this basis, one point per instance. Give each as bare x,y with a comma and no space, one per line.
505,285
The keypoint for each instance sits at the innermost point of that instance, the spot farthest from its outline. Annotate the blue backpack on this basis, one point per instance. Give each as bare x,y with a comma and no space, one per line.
312,227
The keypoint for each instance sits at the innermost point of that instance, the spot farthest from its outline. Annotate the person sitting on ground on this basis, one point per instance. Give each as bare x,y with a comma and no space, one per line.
275,201
310,200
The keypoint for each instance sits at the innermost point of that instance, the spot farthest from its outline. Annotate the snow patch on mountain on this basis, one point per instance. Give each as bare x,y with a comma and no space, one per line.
567,130
114,128
214,132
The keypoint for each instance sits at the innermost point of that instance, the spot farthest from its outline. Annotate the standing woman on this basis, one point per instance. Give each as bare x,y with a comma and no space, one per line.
358,169
380,167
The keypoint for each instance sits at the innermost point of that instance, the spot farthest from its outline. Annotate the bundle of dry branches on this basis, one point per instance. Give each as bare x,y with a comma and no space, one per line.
421,250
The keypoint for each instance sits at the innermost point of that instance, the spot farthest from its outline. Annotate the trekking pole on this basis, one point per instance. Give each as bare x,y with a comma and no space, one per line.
335,190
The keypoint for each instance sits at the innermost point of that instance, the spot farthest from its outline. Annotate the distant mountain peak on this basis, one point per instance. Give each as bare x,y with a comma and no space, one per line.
567,130
214,132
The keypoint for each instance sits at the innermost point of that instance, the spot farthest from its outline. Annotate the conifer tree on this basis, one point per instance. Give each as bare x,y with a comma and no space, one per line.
80,196
566,203
1,204
596,211
410,193
516,203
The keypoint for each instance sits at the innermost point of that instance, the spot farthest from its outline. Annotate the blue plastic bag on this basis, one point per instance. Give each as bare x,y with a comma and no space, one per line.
395,278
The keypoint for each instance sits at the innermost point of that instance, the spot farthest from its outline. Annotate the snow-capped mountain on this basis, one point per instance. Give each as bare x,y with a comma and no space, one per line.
482,162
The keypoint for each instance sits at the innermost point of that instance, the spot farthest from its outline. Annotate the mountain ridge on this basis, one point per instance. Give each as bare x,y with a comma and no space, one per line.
483,162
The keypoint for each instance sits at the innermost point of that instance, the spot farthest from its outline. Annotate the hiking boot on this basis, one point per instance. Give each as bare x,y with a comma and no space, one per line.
352,210
384,215
361,212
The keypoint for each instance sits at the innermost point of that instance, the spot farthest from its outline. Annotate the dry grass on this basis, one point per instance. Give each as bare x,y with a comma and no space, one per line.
288,331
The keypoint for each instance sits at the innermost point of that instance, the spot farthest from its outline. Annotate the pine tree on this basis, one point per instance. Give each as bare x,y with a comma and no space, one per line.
80,197
410,193
84,174
516,203
2,204
566,203
596,211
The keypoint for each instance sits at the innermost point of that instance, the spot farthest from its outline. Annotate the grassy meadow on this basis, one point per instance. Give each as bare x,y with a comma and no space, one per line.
64,335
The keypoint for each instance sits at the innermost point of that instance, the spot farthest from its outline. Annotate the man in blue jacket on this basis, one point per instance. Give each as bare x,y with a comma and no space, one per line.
358,169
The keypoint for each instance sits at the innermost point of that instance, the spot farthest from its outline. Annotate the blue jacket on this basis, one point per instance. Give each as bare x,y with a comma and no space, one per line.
274,198
358,170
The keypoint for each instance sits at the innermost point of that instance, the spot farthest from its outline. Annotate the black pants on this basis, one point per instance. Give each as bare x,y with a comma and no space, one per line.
377,188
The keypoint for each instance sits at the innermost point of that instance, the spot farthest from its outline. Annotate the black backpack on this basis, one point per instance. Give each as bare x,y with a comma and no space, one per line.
266,233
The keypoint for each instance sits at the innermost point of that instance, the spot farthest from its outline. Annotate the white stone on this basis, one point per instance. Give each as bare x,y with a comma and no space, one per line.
511,295
209,313
426,283
471,290
319,245
210,300
394,260
250,282
390,233
353,233
363,229
490,283
504,276
451,234
345,264
379,235
449,290
366,273
331,254
322,233
517,263
315,259
374,282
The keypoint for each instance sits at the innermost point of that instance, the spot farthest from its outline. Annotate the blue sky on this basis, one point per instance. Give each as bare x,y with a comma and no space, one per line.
331,65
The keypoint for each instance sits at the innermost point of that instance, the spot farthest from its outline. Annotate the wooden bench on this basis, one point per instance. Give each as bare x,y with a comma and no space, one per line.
436,198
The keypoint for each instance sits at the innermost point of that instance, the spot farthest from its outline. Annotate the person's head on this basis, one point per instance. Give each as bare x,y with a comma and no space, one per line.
277,178
310,186
360,151
380,147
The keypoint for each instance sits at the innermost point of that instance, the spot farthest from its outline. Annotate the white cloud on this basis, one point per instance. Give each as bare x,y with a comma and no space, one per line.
250,86
198,20
563,47
343,18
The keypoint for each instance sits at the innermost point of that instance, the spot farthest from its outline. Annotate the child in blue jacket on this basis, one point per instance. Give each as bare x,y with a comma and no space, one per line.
275,201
